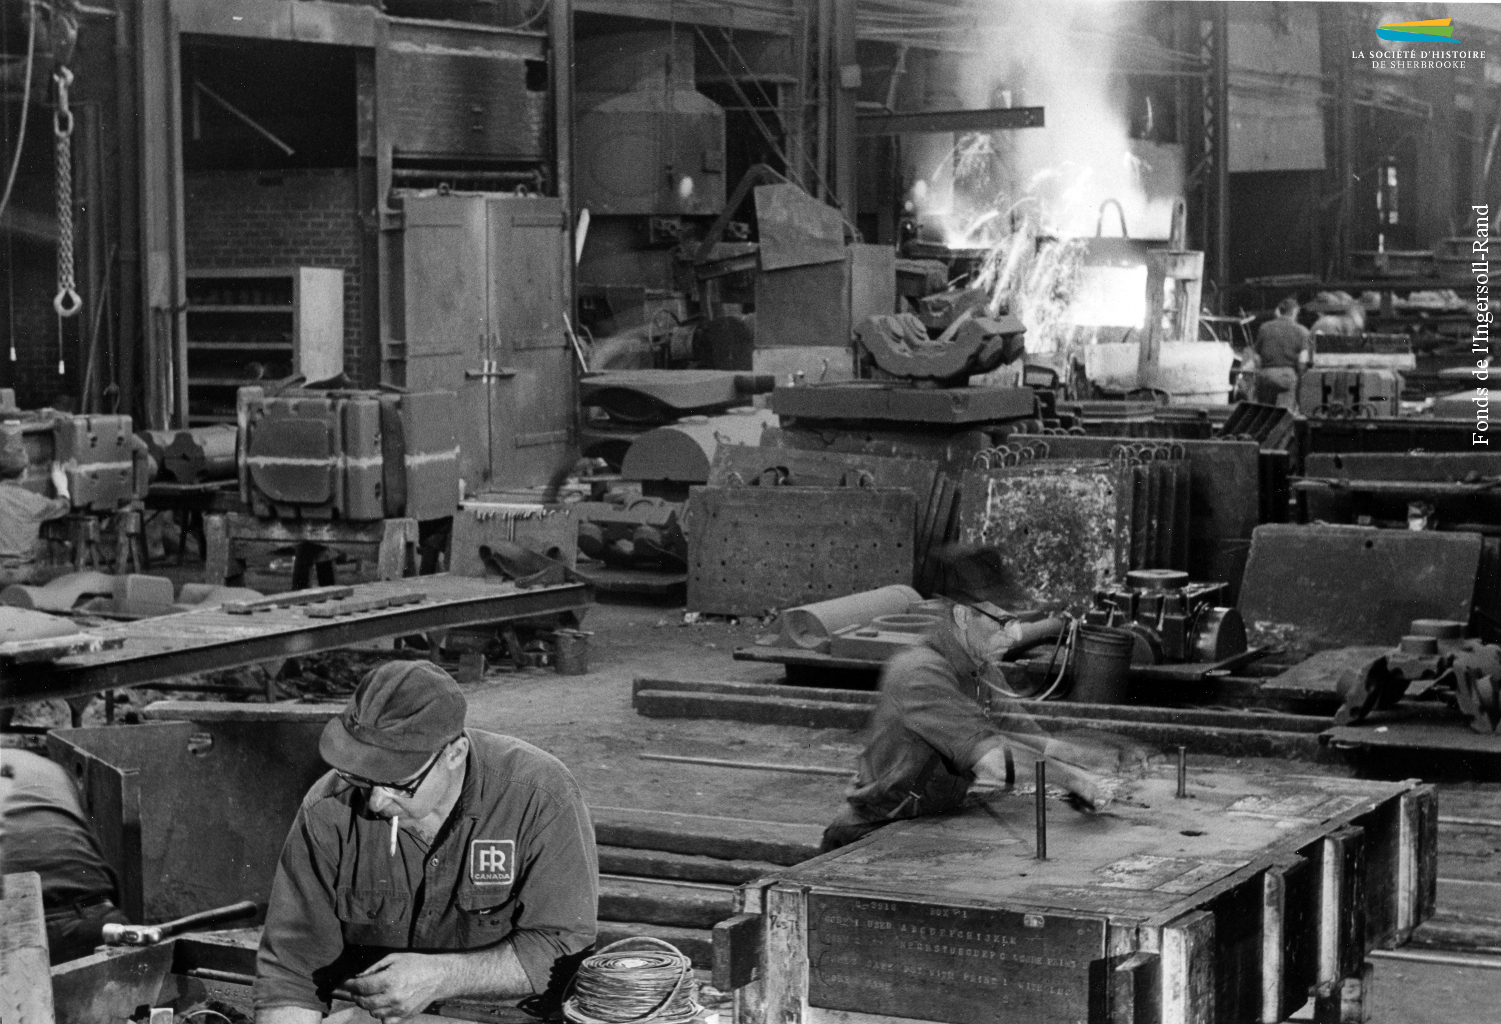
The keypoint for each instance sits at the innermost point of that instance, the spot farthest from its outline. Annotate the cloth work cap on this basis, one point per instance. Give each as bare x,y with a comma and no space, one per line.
400,715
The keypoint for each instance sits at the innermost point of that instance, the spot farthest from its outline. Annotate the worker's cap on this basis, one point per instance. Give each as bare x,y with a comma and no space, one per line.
401,714
978,575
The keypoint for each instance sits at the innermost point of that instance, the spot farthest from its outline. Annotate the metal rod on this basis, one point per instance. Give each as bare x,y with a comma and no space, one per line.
1042,809
1435,958
228,977
255,126
1182,772
714,762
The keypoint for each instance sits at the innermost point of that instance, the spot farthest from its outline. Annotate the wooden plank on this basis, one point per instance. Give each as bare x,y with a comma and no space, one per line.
1418,882
25,983
706,835
678,904
1342,911
1256,720
1288,922
817,714
1136,990
737,943
1188,970
1289,936
810,714
619,860
753,689
784,955
1382,872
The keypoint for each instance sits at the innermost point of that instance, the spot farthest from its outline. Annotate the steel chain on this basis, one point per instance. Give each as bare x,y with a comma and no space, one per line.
67,302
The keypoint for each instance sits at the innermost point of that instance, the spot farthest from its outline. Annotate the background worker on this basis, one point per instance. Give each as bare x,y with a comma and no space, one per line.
943,732
1348,321
46,831
434,862
1282,351
22,512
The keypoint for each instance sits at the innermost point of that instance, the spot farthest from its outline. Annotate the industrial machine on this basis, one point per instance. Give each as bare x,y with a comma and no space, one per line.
1172,619
349,455
106,468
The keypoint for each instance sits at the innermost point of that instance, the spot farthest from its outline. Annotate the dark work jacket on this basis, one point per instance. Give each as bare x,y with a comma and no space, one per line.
515,862
46,831
928,732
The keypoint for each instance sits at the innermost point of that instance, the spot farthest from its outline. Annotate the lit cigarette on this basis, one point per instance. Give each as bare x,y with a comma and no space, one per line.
395,821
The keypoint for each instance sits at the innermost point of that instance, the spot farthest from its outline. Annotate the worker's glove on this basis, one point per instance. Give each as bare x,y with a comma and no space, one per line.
60,481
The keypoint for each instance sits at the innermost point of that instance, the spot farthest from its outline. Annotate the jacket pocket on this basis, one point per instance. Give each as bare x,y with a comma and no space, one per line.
484,918
373,917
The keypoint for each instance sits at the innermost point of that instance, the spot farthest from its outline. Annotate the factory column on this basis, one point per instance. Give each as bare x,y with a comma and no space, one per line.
844,81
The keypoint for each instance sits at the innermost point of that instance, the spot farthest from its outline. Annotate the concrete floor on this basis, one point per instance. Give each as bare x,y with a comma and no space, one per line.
589,723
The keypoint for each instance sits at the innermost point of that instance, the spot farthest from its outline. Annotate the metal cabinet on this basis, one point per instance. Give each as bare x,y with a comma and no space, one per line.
477,294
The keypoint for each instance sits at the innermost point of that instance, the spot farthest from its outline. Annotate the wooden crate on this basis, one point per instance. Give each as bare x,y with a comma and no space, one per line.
1236,904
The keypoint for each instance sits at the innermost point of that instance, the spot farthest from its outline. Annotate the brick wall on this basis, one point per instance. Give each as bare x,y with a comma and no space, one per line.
281,219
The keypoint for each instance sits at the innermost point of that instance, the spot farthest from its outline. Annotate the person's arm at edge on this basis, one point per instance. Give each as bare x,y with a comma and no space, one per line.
302,905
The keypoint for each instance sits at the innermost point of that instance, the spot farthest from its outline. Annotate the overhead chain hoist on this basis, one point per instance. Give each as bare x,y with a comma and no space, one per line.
67,302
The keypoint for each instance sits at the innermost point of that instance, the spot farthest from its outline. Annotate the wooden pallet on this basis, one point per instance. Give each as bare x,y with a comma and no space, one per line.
1237,904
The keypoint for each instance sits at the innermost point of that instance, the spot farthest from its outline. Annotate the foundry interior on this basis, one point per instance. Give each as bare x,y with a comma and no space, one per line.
748,512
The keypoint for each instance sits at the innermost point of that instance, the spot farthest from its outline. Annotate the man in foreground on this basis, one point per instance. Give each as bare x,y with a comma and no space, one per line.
434,862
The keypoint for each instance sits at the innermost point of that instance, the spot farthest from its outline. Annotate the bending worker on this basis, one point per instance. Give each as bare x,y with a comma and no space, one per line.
434,862
942,733
46,831
23,512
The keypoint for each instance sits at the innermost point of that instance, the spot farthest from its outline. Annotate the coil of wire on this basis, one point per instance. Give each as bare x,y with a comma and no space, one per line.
642,986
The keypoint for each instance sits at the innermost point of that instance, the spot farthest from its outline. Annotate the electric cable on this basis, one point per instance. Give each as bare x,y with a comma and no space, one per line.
15,164
638,987
200,1013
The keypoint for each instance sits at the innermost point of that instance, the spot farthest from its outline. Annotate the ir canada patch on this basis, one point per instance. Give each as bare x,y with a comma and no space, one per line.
490,861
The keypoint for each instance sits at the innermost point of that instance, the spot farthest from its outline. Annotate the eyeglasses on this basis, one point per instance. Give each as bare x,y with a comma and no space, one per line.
402,789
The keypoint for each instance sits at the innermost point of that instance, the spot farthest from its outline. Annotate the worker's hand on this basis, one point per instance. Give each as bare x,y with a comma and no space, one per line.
991,774
397,988
60,481
1075,767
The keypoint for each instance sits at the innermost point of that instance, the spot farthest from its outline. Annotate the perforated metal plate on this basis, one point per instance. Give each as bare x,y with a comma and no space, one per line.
752,549
1054,521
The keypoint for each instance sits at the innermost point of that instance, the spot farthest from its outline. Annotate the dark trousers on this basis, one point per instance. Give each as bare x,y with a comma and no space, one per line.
74,931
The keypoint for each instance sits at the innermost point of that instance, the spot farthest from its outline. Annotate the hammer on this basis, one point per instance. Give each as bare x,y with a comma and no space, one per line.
151,934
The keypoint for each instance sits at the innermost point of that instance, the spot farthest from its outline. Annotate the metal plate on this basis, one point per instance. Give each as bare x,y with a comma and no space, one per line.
1224,499
1055,522
870,401
657,396
753,549
1334,586
796,229
965,965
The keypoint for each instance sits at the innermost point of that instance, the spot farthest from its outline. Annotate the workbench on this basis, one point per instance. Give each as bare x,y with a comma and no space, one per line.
1238,902
212,639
